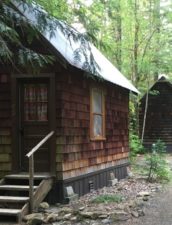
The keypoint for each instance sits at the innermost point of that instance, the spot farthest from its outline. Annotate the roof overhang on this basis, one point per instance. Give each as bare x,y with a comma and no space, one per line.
68,47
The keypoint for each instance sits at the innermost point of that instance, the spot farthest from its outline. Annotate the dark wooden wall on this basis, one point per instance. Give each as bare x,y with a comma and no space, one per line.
159,114
76,154
5,124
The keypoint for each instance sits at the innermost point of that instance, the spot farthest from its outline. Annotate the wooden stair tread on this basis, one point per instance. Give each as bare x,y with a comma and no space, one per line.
16,187
18,206
7,223
9,211
26,176
13,199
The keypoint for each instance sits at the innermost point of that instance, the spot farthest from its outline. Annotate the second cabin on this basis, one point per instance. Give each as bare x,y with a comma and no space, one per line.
159,114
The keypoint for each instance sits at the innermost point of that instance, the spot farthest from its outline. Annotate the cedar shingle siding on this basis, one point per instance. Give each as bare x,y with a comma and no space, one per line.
76,154
159,114
5,124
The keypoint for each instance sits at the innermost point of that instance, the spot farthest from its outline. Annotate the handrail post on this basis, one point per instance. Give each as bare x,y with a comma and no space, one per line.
30,155
31,181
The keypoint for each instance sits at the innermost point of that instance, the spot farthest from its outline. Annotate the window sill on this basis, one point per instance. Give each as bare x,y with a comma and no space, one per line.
98,139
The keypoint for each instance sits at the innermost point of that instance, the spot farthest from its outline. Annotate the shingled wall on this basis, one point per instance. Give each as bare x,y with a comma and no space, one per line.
76,155
159,115
5,124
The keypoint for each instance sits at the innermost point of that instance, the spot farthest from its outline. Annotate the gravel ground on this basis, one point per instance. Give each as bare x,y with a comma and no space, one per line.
142,203
158,211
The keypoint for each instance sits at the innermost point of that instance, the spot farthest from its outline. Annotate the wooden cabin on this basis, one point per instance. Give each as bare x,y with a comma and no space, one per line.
88,114
159,114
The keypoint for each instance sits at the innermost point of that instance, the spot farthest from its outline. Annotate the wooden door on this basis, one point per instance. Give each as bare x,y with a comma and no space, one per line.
34,123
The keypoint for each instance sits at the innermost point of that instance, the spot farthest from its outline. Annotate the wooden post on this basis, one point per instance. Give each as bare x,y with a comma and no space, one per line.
30,155
31,181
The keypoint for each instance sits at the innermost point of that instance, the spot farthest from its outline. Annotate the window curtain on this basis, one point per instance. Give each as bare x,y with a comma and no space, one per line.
35,102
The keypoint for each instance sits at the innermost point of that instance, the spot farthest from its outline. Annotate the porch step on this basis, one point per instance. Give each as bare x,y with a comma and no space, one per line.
16,187
13,199
9,212
24,176
14,195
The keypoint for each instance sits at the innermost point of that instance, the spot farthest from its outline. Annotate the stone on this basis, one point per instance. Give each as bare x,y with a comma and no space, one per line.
70,195
82,208
73,198
69,191
139,203
113,182
87,214
120,188
112,176
141,212
129,173
135,214
74,218
57,204
66,210
34,219
143,193
120,215
91,214
95,223
67,216
44,205
59,218
33,216
52,217
106,221
145,198
103,216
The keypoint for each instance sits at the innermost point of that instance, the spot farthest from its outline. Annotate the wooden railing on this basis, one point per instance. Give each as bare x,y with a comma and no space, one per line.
30,155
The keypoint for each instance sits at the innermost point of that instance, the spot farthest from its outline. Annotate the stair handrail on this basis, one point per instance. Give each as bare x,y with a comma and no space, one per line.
30,155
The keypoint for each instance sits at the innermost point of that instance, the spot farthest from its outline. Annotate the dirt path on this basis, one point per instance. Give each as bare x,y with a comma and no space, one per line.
158,211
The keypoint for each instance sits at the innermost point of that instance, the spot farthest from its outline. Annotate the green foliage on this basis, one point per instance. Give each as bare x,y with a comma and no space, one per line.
16,43
136,146
156,164
154,92
159,147
107,198
13,51
57,8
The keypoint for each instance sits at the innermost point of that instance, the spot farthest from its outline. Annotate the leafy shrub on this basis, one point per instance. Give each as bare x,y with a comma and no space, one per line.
136,146
107,198
156,164
159,147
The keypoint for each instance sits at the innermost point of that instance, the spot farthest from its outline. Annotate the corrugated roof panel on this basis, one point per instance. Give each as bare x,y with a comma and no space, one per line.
67,47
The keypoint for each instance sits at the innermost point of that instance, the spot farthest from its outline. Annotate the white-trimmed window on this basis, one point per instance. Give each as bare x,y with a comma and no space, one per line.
97,114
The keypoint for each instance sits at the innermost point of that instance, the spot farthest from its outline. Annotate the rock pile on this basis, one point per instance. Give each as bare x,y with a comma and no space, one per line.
135,193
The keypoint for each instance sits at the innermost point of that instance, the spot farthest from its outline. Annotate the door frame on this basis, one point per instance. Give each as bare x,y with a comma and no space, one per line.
16,80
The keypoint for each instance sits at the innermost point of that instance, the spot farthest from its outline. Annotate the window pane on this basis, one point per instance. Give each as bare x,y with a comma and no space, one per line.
29,93
97,126
35,102
42,111
42,93
29,111
97,102
29,102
